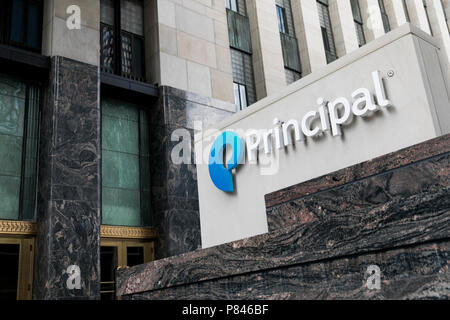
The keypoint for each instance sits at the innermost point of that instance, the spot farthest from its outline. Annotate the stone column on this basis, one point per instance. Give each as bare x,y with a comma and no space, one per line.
418,15
68,215
343,27
373,23
396,12
174,185
309,35
267,54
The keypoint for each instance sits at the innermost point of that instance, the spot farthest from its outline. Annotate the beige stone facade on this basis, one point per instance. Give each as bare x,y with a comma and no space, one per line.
187,42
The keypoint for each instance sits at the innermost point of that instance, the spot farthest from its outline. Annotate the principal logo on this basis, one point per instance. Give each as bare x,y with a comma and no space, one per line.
221,175
328,116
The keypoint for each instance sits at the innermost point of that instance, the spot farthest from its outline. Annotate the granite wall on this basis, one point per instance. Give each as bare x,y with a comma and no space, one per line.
393,212
68,215
174,186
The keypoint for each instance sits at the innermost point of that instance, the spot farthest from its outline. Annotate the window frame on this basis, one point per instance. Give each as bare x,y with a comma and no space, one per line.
282,19
117,56
140,108
39,87
358,21
331,55
239,87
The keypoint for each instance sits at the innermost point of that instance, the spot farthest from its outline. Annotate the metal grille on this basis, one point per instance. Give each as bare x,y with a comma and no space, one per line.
327,33
123,56
243,73
107,49
127,54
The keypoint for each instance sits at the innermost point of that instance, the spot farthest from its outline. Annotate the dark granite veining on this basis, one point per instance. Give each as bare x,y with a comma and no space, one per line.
366,195
393,216
69,183
362,170
419,272
174,186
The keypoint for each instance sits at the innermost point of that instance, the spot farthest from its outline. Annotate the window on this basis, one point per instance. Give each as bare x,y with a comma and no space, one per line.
425,6
19,135
357,18
122,38
125,165
405,8
384,16
21,23
327,33
244,87
282,23
289,44
236,6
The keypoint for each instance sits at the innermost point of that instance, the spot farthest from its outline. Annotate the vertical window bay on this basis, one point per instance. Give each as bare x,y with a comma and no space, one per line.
125,164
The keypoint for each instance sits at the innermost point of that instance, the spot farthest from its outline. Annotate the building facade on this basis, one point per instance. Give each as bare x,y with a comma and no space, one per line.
92,94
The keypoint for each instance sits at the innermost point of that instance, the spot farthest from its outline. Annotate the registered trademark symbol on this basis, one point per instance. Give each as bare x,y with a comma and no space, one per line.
391,73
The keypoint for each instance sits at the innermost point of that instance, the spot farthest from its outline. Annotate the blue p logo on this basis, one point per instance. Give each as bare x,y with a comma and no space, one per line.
222,176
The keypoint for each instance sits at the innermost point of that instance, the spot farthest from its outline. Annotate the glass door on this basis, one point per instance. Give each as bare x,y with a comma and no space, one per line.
118,254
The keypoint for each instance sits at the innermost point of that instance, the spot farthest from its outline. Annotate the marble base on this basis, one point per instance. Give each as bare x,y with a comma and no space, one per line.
393,212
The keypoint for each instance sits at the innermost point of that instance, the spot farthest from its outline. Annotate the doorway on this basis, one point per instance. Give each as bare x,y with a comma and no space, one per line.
119,254
16,268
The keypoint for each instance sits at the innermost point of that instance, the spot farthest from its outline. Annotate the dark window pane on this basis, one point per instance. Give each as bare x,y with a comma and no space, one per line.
9,271
132,16
17,21
33,26
138,59
107,12
135,256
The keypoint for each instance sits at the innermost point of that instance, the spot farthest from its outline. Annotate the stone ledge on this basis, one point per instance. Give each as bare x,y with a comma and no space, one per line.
420,216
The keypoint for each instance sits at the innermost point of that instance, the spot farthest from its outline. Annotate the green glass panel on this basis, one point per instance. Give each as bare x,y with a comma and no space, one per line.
119,134
11,115
120,170
11,86
238,31
10,155
9,195
121,207
119,109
